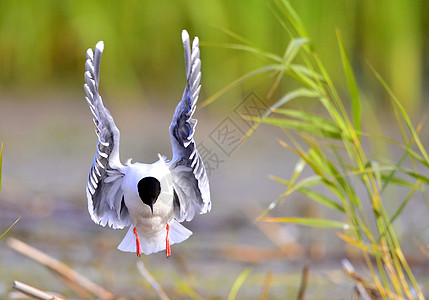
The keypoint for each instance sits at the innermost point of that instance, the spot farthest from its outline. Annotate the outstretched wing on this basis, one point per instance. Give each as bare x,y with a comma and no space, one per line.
105,196
190,182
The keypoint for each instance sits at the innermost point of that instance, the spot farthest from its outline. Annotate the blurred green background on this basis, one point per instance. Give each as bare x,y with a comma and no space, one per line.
49,141
43,43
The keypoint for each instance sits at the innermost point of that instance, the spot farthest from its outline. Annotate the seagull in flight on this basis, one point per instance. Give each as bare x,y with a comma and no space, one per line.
150,198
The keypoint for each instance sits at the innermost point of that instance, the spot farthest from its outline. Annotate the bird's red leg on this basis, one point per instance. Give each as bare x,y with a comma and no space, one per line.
167,242
139,251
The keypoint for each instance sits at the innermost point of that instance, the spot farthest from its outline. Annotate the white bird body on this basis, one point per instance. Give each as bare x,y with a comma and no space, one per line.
150,198
148,224
151,227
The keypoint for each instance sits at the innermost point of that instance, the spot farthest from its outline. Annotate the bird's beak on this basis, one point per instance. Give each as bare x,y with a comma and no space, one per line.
151,207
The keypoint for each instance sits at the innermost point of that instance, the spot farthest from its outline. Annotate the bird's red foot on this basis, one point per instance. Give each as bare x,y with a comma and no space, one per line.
167,242
138,251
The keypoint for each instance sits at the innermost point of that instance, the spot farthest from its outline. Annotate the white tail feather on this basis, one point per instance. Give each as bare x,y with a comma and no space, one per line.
178,233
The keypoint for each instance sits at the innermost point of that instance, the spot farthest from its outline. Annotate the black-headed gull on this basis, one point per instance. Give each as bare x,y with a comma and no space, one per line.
150,198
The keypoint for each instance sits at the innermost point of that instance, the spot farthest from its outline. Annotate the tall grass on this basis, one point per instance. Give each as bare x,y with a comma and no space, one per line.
330,143
331,146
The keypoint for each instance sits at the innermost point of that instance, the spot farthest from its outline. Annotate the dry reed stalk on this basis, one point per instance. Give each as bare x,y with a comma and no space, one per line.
78,283
365,289
304,280
267,284
153,283
33,292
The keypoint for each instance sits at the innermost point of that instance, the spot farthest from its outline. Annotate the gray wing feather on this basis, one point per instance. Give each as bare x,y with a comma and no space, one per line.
105,196
190,181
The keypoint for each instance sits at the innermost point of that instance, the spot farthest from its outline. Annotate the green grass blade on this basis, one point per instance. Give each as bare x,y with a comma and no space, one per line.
308,72
2,236
301,187
351,82
292,17
293,49
319,159
309,181
417,176
416,156
304,76
321,131
390,177
236,36
241,80
267,56
404,114
275,11
405,202
398,165
280,180
298,93
315,167
238,283
310,118
299,167
306,182
322,199
396,181
186,289
344,181
312,222
373,167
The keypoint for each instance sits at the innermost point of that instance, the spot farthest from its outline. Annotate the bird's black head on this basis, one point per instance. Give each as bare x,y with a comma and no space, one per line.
149,189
